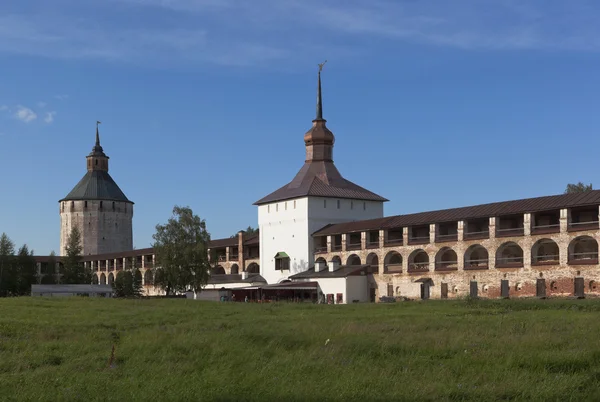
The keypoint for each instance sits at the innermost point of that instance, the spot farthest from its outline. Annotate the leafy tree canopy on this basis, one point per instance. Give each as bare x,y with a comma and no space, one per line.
578,188
249,231
180,247
74,271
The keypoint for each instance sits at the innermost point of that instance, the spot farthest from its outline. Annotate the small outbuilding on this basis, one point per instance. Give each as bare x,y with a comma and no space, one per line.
71,290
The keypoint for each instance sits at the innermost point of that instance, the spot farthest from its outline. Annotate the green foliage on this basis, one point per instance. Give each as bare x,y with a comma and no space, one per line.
51,271
541,350
74,271
17,272
128,284
578,188
249,231
137,287
7,252
181,252
26,268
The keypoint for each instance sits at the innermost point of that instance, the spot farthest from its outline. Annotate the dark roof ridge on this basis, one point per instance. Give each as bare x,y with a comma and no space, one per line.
519,206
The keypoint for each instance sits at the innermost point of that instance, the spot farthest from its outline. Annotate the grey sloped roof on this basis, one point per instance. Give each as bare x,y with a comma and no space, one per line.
235,278
320,179
96,185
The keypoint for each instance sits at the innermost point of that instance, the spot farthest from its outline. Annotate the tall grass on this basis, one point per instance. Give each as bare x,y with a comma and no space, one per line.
59,349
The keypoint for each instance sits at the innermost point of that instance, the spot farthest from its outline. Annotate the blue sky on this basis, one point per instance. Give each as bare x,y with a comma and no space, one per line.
434,104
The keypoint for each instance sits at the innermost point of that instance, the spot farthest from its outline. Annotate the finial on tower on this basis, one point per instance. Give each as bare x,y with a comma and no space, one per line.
319,99
97,135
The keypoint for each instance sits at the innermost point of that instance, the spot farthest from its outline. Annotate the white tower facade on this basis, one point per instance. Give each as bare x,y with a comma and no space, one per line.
316,197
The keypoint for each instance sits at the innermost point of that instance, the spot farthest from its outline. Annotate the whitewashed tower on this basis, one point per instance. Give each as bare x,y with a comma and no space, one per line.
98,207
316,197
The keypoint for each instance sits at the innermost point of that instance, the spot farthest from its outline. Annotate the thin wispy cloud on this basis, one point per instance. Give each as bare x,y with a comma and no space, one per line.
240,33
25,114
61,97
49,118
3,108
42,104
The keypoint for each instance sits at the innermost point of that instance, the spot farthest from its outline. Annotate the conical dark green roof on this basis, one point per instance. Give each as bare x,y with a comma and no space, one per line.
96,185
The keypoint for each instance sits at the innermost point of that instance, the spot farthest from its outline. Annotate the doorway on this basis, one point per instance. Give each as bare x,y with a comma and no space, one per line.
473,289
579,288
540,288
444,287
504,289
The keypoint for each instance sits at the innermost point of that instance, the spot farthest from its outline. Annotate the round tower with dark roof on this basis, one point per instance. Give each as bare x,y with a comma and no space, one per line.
98,207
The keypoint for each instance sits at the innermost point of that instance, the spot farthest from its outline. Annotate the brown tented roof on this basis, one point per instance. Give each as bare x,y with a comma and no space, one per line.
527,205
320,179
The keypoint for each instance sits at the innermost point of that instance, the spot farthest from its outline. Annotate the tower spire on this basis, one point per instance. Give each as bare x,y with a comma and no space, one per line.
319,97
97,134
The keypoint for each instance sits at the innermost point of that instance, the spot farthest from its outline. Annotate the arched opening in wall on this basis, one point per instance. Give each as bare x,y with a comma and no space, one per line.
545,252
253,268
148,278
373,262
102,279
509,255
337,259
320,259
111,279
218,270
553,286
353,260
583,250
476,257
592,286
392,263
446,260
94,279
418,261
235,269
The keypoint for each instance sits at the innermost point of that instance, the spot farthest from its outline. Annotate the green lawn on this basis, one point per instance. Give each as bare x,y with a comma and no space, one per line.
58,349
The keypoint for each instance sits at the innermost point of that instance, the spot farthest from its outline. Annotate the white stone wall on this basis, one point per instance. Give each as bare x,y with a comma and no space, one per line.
284,227
288,226
357,288
106,228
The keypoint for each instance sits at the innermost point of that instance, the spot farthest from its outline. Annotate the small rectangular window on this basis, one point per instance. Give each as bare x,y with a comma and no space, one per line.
268,208
364,206
351,204
324,203
294,204
338,204
285,205
276,207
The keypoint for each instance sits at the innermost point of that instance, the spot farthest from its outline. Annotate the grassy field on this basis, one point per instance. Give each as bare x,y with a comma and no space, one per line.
58,349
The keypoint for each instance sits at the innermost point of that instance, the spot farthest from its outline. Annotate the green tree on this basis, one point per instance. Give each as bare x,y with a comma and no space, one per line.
138,288
74,270
249,231
118,285
181,248
578,188
49,277
7,257
25,271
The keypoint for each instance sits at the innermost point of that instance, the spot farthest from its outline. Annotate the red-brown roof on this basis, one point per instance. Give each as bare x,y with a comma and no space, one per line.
320,179
528,205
